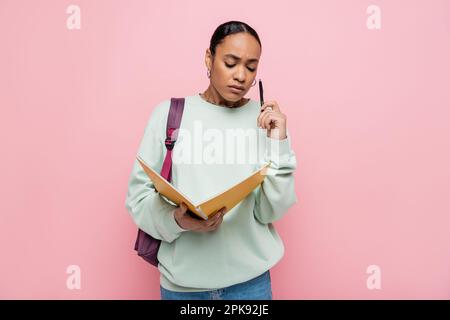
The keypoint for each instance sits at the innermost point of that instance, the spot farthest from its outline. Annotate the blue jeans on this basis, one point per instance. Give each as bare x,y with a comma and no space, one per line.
258,288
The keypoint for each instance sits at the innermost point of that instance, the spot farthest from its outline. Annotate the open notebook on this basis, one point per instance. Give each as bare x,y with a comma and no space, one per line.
228,198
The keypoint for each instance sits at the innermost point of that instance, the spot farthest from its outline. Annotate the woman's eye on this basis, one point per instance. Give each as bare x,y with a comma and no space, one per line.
232,65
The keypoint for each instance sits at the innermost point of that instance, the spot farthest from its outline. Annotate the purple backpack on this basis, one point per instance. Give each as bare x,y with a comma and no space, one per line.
146,246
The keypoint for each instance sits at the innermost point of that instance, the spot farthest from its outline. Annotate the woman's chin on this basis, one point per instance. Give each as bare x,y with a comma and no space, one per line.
232,97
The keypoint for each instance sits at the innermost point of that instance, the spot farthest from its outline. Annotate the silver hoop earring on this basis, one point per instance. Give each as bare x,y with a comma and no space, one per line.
254,82
208,74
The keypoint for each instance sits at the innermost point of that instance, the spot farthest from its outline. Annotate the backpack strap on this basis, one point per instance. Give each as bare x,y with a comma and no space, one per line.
173,123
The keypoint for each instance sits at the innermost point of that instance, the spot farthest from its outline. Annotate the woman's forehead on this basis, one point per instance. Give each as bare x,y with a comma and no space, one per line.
240,46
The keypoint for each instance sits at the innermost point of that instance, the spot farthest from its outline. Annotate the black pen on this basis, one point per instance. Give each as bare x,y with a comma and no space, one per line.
261,98
261,93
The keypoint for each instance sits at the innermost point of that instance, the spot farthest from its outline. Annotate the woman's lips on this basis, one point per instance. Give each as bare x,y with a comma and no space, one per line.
236,90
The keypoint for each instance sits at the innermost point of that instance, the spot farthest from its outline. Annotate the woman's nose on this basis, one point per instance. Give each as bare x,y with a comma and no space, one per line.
239,76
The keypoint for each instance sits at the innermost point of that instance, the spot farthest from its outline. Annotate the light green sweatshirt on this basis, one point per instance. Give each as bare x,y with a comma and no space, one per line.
208,158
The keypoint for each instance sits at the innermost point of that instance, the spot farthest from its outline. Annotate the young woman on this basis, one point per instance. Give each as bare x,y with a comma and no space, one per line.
228,256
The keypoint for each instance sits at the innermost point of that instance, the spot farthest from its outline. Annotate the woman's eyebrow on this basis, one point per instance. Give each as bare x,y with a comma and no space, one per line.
237,58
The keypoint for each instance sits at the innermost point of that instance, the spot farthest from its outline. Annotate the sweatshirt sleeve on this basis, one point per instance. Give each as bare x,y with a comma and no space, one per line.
277,192
150,212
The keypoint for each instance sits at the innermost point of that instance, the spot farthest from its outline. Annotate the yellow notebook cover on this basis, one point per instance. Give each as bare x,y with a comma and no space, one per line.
228,198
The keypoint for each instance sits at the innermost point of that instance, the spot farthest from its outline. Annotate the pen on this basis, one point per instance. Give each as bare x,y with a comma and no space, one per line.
261,93
261,98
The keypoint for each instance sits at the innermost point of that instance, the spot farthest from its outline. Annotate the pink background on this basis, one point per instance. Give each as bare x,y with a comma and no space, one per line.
368,111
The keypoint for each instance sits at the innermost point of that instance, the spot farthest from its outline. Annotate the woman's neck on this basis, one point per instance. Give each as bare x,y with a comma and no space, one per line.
212,96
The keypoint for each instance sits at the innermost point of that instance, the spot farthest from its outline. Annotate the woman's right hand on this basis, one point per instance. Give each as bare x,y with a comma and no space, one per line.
187,222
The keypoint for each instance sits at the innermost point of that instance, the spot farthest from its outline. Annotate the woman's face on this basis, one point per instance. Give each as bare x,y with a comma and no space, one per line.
235,64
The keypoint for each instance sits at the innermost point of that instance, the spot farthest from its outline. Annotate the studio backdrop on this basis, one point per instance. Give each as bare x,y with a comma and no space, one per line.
364,85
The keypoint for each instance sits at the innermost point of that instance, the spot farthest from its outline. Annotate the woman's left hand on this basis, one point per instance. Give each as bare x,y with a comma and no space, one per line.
272,119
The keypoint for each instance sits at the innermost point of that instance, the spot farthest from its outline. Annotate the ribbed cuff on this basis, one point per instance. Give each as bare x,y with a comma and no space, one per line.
277,150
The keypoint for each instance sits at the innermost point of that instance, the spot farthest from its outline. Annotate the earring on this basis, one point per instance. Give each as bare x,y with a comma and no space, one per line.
254,82
208,74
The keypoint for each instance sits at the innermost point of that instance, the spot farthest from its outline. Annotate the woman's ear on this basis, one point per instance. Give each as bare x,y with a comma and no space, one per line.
208,59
